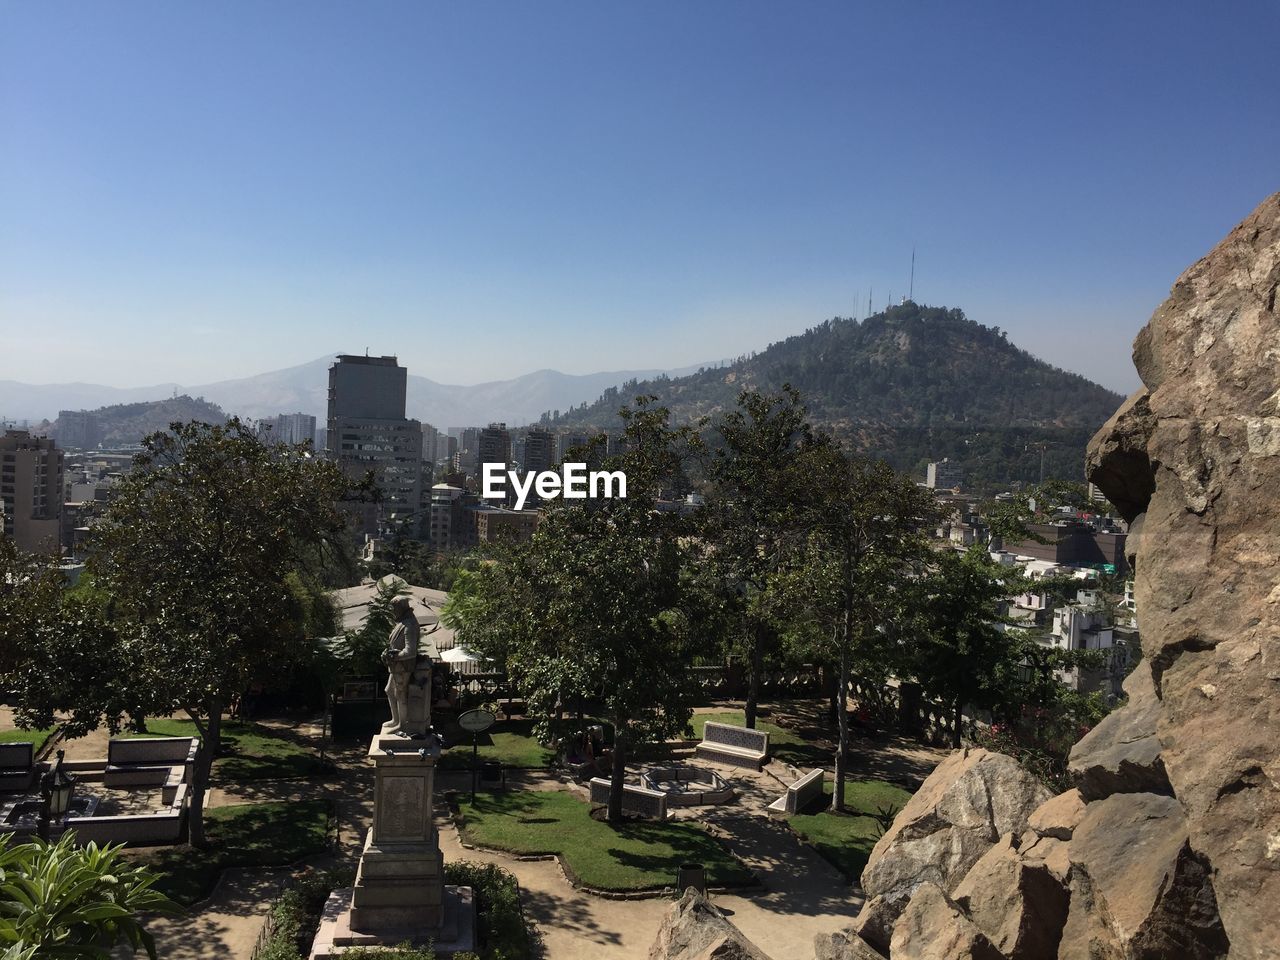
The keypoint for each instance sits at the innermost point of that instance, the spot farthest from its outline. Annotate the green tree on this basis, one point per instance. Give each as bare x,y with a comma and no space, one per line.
64,900
963,653
194,551
595,604
866,545
760,491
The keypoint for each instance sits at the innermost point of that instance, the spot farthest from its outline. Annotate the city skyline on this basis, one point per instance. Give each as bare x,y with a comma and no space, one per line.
198,194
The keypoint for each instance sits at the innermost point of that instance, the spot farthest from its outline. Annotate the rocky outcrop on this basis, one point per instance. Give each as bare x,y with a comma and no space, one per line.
1147,894
1206,583
1019,904
693,929
1057,817
1122,753
845,945
969,801
934,928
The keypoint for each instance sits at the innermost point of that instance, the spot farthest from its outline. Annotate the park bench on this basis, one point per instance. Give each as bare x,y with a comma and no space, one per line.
799,794
17,766
637,800
150,761
738,746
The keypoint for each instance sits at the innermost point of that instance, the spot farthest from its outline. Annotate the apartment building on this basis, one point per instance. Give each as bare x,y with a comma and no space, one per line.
31,481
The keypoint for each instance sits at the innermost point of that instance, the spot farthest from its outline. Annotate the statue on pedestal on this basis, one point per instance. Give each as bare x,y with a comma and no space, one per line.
401,658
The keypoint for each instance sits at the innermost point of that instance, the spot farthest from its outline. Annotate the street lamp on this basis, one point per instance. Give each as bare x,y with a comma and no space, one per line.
56,788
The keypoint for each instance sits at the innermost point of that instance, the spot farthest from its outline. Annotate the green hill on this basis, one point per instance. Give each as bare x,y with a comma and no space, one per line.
911,384
125,424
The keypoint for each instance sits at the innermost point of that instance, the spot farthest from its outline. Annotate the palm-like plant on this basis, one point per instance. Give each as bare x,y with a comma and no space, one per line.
63,900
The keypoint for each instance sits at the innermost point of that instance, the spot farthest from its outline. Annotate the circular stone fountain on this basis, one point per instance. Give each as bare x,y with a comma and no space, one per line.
688,786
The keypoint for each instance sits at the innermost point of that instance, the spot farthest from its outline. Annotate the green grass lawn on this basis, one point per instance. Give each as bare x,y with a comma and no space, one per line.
35,737
846,839
249,751
248,835
510,742
784,744
636,855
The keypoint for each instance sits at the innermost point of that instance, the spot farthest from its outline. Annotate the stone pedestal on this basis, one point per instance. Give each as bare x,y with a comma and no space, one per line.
400,882
399,893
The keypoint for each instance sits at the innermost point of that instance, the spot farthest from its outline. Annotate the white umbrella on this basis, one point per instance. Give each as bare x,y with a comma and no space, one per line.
458,655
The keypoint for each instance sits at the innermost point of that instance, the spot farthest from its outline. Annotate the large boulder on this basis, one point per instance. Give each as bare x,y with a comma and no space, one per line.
1138,889
843,945
934,928
1122,753
695,930
1205,441
1019,904
970,801
1057,817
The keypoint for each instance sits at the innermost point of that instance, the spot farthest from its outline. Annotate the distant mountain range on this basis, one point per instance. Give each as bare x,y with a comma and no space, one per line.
911,384
304,389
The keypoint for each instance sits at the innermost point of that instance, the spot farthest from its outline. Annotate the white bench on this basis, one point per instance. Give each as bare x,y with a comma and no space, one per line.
738,746
640,801
800,794
17,766
163,762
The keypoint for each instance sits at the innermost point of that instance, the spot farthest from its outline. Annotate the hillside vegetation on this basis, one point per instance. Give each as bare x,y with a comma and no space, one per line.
911,384
125,424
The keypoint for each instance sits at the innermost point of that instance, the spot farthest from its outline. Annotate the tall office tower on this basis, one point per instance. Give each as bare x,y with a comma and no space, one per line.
367,431
31,491
539,450
567,442
289,428
78,430
447,448
469,439
494,445
430,443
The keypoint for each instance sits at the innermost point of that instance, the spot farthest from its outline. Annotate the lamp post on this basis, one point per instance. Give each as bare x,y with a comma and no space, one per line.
56,788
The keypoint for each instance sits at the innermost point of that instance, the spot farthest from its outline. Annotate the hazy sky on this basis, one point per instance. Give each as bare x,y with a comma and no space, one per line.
194,192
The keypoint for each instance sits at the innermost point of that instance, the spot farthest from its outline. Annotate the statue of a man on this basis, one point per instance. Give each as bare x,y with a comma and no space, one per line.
400,657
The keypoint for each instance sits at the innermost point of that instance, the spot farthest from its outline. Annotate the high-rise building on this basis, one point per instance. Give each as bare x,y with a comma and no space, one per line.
31,491
78,430
447,529
368,431
944,474
430,443
539,450
289,428
568,442
494,445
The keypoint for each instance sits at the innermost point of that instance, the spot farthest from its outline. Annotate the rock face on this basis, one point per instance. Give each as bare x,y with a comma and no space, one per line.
695,930
934,928
1204,437
1148,894
1058,816
969,802
1017,903
1122,753
845,945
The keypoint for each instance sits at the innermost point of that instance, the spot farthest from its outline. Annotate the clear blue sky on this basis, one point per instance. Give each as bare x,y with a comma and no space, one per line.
193,192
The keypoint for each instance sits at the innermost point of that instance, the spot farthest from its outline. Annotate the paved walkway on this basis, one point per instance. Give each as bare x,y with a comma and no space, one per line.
227,925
